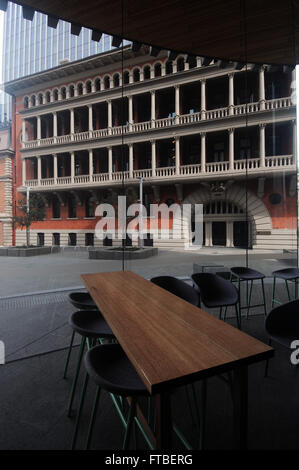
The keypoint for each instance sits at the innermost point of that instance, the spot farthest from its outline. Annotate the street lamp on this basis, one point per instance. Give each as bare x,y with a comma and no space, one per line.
140,211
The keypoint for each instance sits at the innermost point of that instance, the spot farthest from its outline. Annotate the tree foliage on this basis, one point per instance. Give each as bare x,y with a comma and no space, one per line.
36,211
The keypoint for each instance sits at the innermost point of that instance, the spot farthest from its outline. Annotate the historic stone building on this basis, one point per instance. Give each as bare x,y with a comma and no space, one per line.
198,131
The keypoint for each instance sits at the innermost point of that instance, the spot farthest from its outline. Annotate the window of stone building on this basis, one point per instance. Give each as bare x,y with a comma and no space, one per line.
72,239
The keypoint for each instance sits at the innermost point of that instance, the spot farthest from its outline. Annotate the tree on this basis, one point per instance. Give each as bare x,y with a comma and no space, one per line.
26,216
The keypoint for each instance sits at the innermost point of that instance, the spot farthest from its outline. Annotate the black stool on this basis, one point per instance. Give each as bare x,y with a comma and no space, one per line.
217,292
81,301
288,275
249,275
91,326
110,369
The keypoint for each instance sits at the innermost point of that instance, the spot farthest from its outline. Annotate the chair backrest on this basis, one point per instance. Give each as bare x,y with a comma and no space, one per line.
284,319
177,287
215,290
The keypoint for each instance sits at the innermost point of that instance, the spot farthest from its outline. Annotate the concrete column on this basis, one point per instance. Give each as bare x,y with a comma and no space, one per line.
109,103
90,164
198,61
90,121
153,142
231,133
110,162
153,108
72,166
209,239
262,87
23,171
231,94
55,167
24,139
130,112
203,99
203,152
38,128
229,234
54,124
177,156
262,145
131,160
39,168
72,122
177,103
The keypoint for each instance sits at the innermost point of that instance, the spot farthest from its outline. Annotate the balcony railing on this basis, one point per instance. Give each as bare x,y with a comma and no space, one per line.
164,123
220,169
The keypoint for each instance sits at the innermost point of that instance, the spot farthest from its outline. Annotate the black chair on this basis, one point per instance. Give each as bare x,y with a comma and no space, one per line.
108,366
282,325
288,275
216,292
81,301
179,288
91,326
249,275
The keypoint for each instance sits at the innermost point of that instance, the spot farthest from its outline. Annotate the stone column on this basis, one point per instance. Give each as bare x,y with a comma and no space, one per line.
231,94
38,128
90,120
203,99
110,162
55,124
231,133
294,149
153,108
177,103
24,139
72,123
131,160
262,145
55,167
177,156
90,154
72,166
262,87
23,171
39,169
203,152
153,142
130,112
109,116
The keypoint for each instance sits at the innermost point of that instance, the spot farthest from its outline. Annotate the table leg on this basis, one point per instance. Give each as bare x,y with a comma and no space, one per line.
240,405
163,421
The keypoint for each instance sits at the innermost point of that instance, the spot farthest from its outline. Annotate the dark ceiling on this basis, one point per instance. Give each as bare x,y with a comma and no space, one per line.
264,31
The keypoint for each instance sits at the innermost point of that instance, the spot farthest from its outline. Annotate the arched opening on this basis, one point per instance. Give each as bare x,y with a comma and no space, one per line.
180,64
26,102
80,89
40,98
63,93
136,75
106,82
89,206
97,84
126,78
33,100
48,97
72,91
168,67
55,94
116,80
147,72
158,70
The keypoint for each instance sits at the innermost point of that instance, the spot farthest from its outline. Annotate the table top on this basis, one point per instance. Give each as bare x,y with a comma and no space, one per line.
169,341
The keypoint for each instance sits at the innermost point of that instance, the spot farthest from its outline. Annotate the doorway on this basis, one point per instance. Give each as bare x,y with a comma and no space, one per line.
219,233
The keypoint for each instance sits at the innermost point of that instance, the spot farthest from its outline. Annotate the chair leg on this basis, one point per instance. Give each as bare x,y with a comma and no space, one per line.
92,418
75,379
131,416
288,290
273,292
264,297
238,316
68,355
83,393
249,298
267,362
225,310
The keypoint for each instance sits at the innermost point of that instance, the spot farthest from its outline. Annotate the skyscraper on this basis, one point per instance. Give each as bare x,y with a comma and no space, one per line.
32,46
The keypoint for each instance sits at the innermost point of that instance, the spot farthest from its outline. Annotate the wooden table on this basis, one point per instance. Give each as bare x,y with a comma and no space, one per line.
171,342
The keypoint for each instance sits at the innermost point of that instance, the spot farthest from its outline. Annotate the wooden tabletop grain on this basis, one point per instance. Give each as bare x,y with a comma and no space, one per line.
168,340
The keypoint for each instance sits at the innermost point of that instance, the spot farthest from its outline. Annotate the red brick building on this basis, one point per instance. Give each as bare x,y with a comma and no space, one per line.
221,136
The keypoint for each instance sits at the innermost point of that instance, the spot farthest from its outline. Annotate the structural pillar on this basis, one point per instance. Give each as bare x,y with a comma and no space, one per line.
294,150
203,152
72,166
39,168
131,160
90,120
72,122
55,167
153,108
231,94
231,134
262,87
24,171
90,152
24,130
110,162
130,112
177,103
153,142
262,145
109,116
177,156
54,125
203,99
38,128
